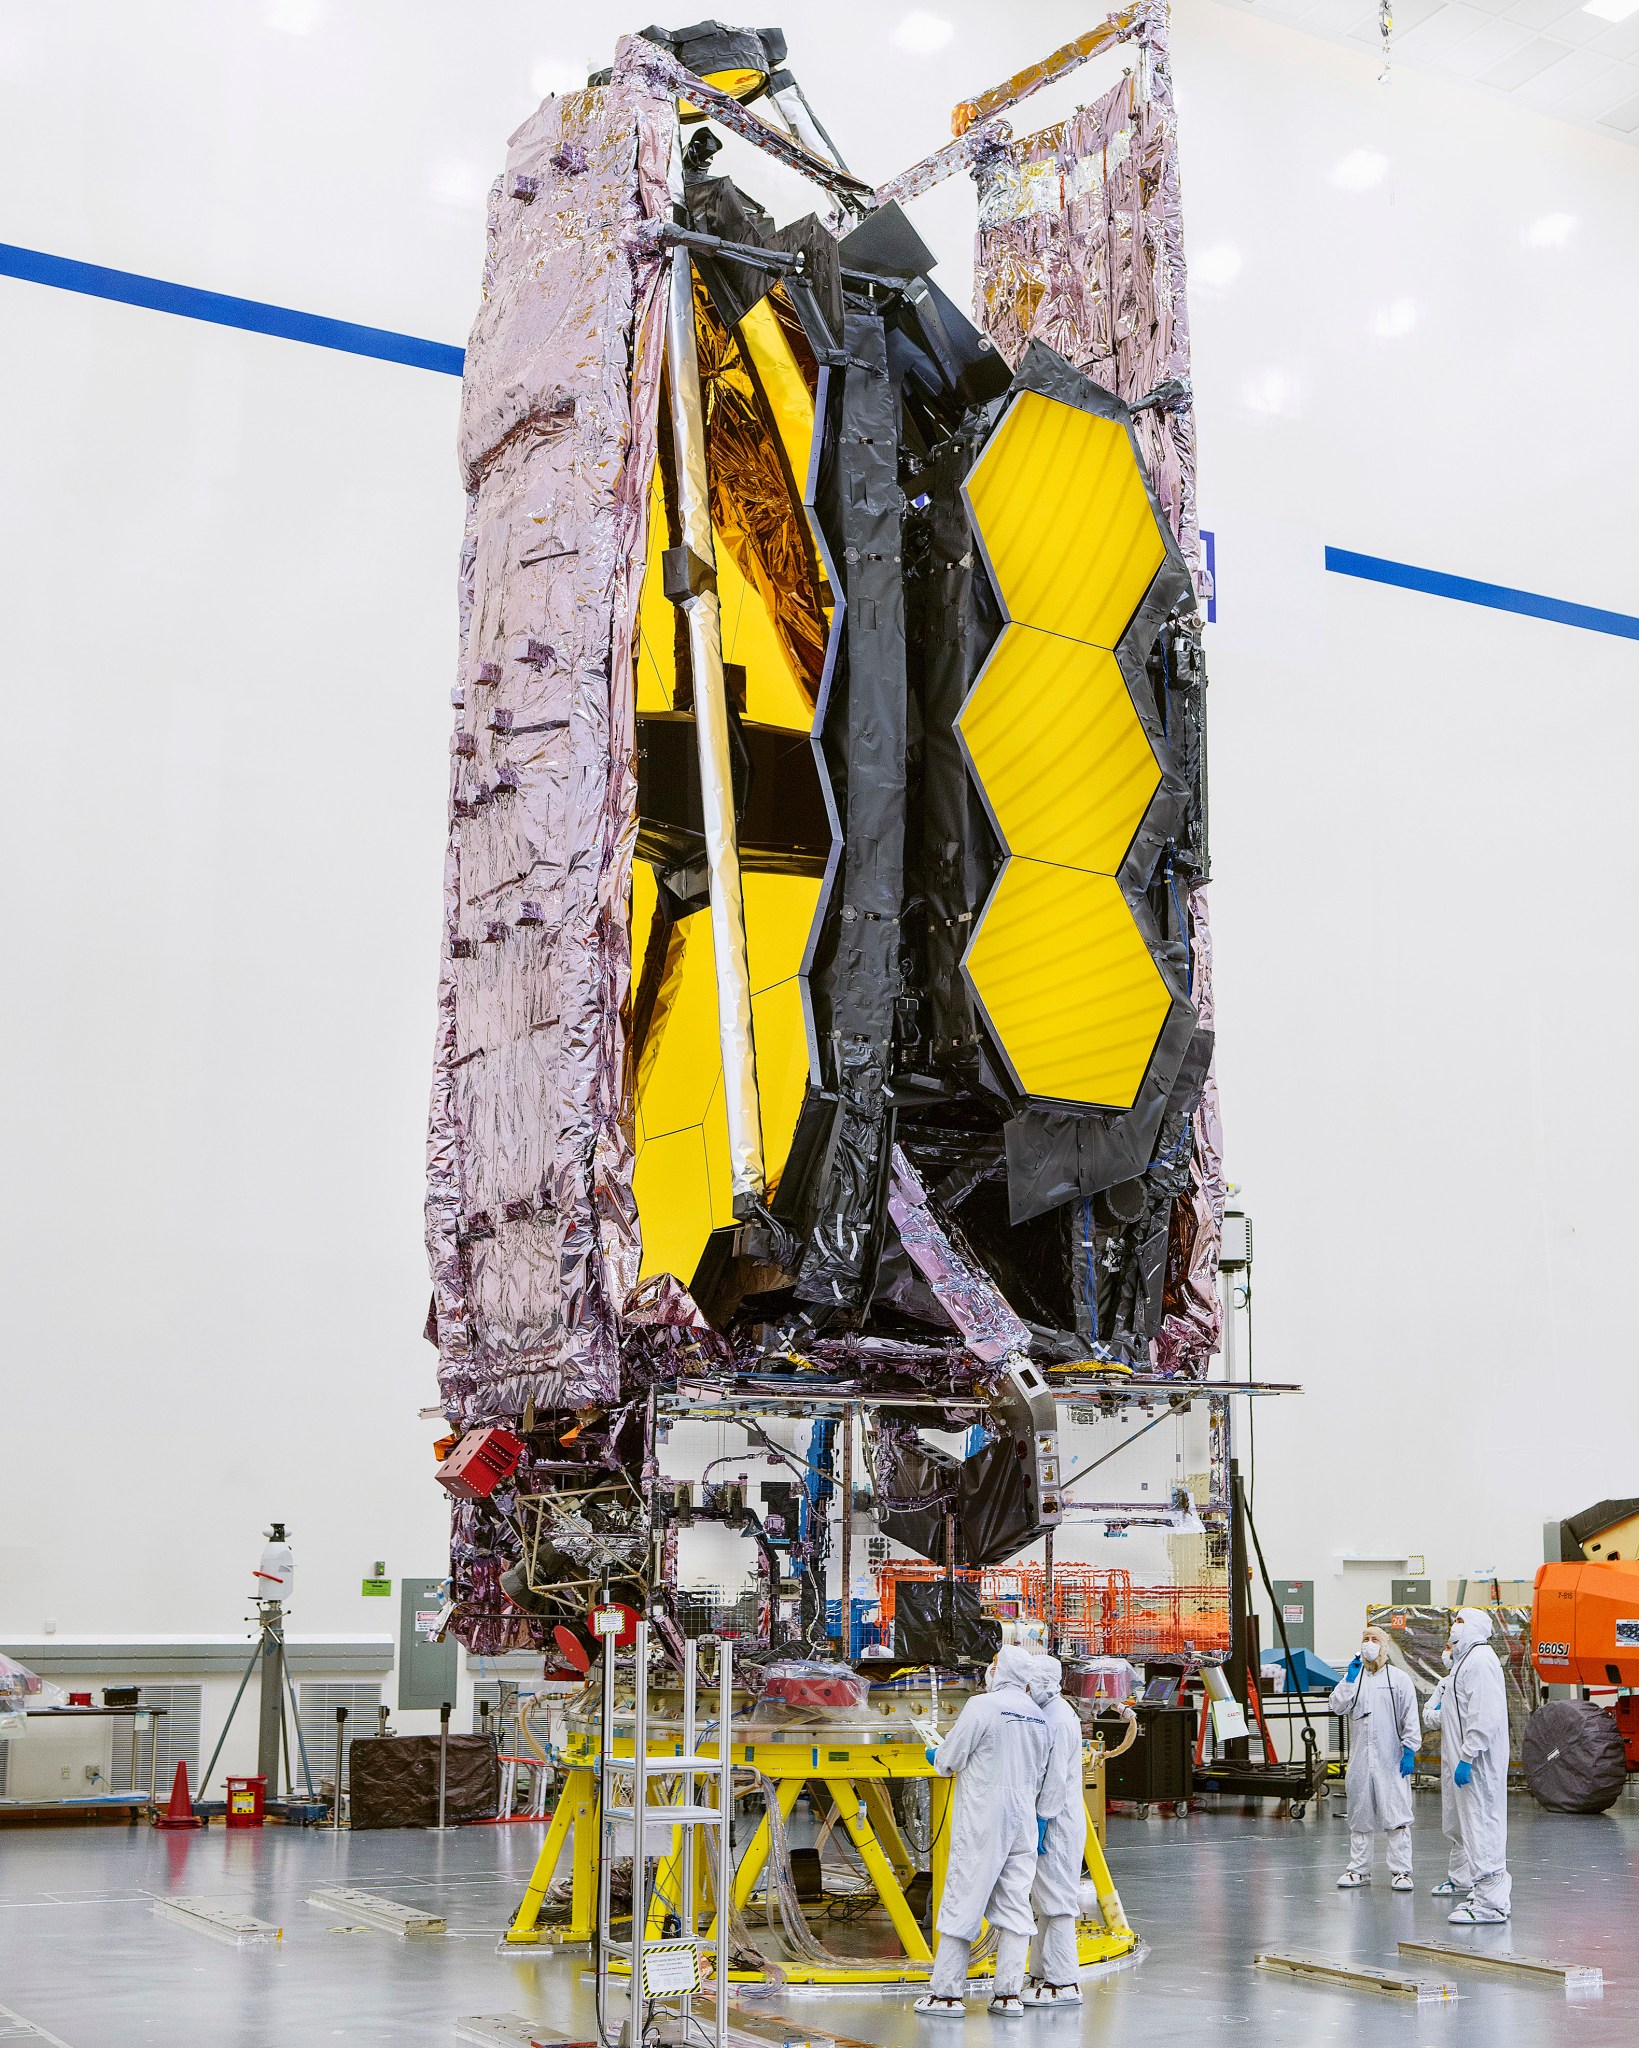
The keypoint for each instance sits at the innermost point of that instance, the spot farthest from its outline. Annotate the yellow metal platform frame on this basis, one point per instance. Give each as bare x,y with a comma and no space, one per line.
856,1775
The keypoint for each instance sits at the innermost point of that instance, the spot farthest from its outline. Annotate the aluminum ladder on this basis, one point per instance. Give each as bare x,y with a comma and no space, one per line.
637,1814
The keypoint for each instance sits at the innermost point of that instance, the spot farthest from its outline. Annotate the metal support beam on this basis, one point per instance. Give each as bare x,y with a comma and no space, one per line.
1358,1976
1576,1977
704,623
272,1716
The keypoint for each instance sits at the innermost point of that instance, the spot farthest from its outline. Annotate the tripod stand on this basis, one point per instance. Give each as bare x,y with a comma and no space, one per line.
275,1686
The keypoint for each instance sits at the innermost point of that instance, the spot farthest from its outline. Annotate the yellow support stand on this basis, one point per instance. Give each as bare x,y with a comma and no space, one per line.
856,1775
574,1819
881,1871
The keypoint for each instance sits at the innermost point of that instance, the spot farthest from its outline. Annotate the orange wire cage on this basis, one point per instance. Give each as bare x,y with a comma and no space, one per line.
1172,1621
1097,1610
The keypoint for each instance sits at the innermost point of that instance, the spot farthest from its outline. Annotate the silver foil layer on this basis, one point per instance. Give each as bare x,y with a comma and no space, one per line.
964,1290
1081,245
531,1226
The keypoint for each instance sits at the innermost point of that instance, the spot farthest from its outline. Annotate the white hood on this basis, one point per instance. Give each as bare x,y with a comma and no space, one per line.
1013,1667
1471,1628
1046,1679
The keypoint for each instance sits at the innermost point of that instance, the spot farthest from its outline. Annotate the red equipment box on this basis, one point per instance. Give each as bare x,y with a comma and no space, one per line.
246,1797
480,1462
815,1688
1625,1710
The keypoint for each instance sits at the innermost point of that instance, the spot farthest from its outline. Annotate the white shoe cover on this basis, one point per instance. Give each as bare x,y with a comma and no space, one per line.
1038,1993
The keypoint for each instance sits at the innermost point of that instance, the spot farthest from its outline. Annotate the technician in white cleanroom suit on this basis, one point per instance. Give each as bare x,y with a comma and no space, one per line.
1458,1877
1061,1844
998,1754
1473,1720
1380,1706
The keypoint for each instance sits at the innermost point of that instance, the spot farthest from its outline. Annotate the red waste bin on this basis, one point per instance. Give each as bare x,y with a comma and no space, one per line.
246,1797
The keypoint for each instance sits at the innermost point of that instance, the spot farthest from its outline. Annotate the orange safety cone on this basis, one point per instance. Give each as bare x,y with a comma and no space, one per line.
180,1813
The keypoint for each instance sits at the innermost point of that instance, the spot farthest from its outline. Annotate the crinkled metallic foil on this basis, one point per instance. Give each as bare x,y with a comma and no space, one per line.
1046,70
662,73
965,1291
1081,246
531,1225
970,151
752,508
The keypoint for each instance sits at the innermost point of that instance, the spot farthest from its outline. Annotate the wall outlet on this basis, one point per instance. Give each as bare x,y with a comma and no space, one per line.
48,1627
65,1773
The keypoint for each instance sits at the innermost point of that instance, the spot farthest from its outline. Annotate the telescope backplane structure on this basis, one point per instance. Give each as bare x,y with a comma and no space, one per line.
825,1022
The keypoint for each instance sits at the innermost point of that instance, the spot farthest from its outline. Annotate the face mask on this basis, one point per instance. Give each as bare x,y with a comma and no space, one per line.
1372,1651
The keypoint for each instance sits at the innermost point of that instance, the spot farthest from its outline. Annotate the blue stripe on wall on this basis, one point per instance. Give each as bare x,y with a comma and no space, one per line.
1497,596
384,344
33,266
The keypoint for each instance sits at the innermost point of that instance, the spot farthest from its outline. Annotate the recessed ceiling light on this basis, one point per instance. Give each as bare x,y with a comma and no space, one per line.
1220,264
1275,392
922,33
1361,169
1396,319
1553,231
1612,10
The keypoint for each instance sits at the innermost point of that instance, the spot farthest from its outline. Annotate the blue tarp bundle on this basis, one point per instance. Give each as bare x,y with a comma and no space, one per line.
1306,1673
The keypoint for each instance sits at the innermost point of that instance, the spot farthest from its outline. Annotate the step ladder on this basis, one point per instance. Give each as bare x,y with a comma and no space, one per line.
635,1815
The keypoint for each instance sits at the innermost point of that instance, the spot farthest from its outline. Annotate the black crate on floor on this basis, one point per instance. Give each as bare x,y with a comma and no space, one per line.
1160,1766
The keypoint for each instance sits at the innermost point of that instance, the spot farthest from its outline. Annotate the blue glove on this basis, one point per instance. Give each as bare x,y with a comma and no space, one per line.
1041,1836
1353,1670
1408,1762
932,1755
1463,1772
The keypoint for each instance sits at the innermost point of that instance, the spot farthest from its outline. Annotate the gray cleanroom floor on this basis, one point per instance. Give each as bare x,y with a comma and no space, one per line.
84,1958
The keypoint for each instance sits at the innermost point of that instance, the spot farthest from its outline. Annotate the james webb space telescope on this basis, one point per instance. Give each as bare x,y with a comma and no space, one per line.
817,1017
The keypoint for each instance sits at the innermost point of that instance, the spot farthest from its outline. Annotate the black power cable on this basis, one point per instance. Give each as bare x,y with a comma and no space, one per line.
1311,1745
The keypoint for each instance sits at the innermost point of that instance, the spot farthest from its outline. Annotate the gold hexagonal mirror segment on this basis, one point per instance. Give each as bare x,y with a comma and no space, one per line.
1067,984
1057,747
681,1177
1059,504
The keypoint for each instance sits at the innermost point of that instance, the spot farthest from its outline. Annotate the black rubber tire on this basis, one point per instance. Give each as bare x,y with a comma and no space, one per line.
1574,1757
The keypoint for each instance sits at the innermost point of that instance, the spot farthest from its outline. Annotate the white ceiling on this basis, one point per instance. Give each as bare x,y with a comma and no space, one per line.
1550,55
